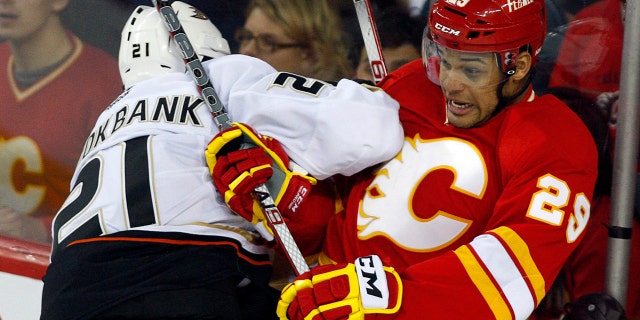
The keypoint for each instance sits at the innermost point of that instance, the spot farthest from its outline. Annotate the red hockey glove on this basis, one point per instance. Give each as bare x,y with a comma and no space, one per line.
238,170
343,291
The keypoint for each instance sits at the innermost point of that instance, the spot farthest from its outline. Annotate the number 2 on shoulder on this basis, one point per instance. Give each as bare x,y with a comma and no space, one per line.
547,206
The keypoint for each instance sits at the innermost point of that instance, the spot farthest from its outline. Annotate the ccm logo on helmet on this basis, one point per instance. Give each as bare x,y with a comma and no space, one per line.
446,29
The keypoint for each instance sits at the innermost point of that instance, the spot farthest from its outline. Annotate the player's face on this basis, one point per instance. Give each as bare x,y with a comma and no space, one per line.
469,82
266,40
23,19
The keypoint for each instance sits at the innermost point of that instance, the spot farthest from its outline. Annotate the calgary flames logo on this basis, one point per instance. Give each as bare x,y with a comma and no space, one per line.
387,208
21,171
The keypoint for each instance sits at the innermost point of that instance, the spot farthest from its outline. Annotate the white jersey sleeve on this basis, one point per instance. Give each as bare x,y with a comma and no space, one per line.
326,129
143,165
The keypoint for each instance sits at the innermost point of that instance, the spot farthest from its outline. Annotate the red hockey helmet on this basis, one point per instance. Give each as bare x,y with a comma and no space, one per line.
504,27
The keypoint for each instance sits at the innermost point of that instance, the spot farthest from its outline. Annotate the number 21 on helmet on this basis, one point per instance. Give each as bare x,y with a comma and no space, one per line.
146,48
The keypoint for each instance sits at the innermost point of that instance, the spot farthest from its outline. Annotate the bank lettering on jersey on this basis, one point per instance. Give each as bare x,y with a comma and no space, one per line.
180,110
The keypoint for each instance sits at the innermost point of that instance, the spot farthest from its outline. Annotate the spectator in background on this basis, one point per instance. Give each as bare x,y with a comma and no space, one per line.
52,88
400,38
301,37
107,18
560,14
591,52
351,26
417,8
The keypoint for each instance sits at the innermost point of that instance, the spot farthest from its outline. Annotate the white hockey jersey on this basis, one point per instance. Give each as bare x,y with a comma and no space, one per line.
143,166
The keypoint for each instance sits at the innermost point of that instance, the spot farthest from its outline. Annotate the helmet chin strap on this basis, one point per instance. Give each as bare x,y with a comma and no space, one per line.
503,100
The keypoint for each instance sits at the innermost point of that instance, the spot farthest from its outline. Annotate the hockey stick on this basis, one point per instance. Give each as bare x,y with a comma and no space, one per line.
221,118
371,39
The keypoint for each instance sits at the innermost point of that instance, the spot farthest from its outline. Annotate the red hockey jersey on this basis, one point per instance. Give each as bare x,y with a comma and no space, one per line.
43,127
477,221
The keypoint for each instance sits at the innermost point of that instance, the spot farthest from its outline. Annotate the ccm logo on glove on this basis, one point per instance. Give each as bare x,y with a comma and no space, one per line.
373,282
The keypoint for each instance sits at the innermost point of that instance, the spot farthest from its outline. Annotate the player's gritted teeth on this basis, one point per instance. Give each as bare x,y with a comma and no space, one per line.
458,107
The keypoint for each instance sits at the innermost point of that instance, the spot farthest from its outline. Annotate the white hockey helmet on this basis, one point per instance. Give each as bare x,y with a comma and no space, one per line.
147,50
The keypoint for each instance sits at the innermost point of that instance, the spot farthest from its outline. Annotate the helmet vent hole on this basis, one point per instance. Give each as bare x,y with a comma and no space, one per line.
455,12
473,34
165,66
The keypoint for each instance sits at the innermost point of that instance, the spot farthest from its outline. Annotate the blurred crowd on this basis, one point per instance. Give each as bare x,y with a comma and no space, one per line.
59,62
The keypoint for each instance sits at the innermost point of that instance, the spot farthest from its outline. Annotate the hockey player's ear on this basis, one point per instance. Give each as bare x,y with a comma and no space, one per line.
523,66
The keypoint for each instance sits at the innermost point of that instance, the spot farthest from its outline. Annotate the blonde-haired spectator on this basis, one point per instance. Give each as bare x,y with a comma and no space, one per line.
304,37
